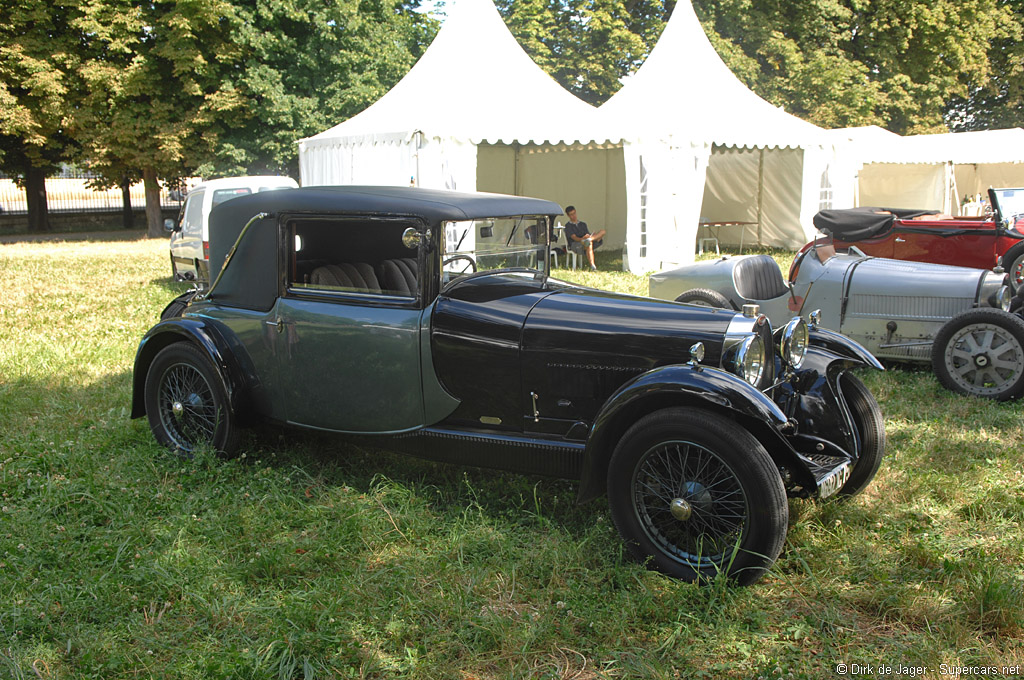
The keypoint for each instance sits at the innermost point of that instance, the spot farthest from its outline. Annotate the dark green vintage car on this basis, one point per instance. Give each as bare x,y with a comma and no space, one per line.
427,320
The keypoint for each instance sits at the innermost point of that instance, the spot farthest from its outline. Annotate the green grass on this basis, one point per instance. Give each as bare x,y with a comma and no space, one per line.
310,557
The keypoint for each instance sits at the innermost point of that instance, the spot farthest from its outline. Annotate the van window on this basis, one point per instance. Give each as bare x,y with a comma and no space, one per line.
193,212
221,195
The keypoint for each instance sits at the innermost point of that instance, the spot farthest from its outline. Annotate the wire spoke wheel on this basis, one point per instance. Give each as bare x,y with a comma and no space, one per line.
690,503
188,411
187,404
695,495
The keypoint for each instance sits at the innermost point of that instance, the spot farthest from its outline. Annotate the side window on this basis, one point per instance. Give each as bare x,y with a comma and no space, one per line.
357,257
192,213
221,195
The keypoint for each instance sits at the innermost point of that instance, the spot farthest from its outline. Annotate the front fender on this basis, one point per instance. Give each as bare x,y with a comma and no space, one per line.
200,332
844,346
814,398
675,385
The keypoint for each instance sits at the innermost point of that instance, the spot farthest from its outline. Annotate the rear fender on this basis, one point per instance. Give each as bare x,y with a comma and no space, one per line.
682,385
205,335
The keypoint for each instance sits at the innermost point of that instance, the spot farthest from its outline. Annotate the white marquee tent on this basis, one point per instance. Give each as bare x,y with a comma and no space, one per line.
765,169
476,113
936,171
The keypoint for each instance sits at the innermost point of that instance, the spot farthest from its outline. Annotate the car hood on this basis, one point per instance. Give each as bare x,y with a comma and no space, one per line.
902,278
587,325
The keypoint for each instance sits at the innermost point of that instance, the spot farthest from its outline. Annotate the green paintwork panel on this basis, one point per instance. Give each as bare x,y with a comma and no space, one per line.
350,367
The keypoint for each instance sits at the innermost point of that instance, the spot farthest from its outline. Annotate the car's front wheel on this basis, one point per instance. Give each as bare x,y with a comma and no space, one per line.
187,404
980,352
1013,261
867,417
694,495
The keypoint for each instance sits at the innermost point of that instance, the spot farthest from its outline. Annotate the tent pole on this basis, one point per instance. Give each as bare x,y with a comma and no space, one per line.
517,189
419,142
760,194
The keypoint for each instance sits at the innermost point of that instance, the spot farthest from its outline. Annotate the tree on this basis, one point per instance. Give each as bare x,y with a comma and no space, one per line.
155,87
299,66
897,63
587,45
999,102
38,62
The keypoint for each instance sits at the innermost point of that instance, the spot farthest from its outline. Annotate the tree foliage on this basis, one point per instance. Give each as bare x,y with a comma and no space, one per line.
587,45
39,58
895,63
300,66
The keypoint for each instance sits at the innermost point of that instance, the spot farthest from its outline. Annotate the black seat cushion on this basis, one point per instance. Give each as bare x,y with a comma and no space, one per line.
399,276
354,275
758,277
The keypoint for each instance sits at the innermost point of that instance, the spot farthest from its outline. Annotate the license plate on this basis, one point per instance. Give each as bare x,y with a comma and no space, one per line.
830,484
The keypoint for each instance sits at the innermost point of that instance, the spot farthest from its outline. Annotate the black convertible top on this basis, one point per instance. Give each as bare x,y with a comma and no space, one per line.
251,281
857,224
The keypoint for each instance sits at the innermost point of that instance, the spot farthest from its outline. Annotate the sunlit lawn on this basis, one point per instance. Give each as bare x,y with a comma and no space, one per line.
309,557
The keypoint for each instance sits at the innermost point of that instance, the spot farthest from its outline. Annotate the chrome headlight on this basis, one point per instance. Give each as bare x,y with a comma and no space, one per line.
793,340
750,360
1001,299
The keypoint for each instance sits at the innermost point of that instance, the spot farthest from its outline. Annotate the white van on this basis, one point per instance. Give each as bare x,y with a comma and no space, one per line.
190,234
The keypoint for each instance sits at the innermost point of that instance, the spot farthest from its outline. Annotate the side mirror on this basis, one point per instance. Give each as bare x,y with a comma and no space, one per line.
170,225
412,238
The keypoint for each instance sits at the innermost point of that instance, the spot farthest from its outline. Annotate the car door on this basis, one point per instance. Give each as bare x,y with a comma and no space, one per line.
961,242
348,350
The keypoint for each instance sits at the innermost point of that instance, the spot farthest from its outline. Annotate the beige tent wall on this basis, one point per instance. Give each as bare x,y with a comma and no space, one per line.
976,178
591,177
903,185
731,194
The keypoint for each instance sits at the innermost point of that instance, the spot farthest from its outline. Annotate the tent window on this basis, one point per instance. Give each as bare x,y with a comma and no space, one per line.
825,192
643,208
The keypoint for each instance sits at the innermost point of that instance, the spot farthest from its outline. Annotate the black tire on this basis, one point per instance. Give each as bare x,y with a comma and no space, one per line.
733,496
187,404
980,353
1013,263
177,306
705,297
871,428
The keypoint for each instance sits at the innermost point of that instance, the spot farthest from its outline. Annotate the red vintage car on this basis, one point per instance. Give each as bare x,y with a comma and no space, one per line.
926,236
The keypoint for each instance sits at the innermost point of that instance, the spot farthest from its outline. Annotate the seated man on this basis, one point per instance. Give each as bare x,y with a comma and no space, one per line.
579,237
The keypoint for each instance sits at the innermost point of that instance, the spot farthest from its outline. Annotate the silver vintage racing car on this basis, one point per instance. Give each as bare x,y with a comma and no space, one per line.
955,317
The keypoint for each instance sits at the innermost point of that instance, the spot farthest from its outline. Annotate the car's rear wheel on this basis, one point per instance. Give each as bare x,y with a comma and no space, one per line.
980,352
187,404
694,495
867,417
705,297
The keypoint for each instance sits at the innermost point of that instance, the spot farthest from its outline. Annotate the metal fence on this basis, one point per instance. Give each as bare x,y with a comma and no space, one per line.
71,194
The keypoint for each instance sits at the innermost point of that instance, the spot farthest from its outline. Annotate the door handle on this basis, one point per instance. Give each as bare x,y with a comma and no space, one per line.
278,324
900,240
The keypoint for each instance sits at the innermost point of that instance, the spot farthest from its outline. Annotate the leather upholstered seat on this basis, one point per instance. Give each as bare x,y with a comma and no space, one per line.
758,277
399,276
351,275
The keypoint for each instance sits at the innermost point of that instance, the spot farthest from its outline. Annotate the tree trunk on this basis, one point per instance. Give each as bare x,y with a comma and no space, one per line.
154,223
127,214
35,197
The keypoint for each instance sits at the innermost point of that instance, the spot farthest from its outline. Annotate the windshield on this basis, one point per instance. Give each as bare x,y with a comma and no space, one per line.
1010,203
496,243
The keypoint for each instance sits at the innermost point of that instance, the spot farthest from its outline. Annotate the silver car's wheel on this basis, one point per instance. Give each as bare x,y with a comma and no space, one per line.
1015,268
980,353
705,297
